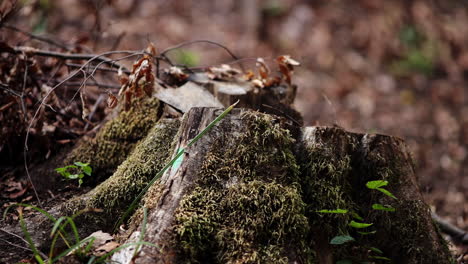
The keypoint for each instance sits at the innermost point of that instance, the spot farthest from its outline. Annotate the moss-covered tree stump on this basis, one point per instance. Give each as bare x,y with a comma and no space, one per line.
253,190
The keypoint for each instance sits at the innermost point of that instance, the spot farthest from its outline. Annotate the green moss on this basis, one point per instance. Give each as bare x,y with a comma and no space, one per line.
117,192
326,169
325,185
116,139
247,205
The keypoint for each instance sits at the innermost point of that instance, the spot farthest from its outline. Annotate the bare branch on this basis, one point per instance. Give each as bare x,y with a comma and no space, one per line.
199,41
75,65
40,38
163,53
18,246
71,75
90,57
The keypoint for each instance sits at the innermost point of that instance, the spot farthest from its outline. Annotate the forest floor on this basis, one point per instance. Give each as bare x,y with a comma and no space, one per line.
376,66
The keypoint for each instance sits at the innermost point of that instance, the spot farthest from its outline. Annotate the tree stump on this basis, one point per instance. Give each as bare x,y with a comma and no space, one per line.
257,188
250,191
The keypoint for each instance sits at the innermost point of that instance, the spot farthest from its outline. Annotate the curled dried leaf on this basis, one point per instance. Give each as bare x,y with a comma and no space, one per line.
274,81
151,49
286,66
263,69
112,100
249,75
257,83
177,73
128,100
85,110
286,59
286,72
123,80
223,72
149,84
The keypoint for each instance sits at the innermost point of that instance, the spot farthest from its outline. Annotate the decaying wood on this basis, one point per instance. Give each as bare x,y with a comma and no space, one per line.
251,189
176,182
332,160
406,235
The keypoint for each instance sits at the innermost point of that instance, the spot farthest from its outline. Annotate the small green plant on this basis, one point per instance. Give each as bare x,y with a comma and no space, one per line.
346,238
75,172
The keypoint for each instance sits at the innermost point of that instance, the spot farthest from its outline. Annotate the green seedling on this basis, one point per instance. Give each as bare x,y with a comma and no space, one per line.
377,185
342,239
75,172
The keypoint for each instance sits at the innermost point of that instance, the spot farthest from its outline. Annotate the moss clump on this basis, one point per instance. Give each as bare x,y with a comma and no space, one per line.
117,192
116,139
247,205
325,186
326,169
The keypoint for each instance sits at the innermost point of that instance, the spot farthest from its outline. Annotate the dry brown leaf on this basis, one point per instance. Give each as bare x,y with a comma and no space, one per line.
112,100
18,194
106,248
263,69
224,72
286,66
151,49
177,73
249,75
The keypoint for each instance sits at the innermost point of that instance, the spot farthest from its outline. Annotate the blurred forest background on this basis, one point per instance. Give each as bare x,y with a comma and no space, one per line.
395,67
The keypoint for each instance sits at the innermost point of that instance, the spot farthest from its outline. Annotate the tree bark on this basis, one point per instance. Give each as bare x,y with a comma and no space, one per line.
250,191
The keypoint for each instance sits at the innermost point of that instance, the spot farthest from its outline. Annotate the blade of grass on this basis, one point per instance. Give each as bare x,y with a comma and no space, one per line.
142,233
27,236
58,225
74,229
170,163
91,260
74,247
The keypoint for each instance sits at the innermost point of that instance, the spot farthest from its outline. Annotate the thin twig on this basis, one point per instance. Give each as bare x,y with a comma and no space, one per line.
33,36
25,77
90,57
5,87
75,65
25,152
18,246
22,239
71,75
283,113
199,41
238,61
93,111
163,53
13,234
457,235
96,84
